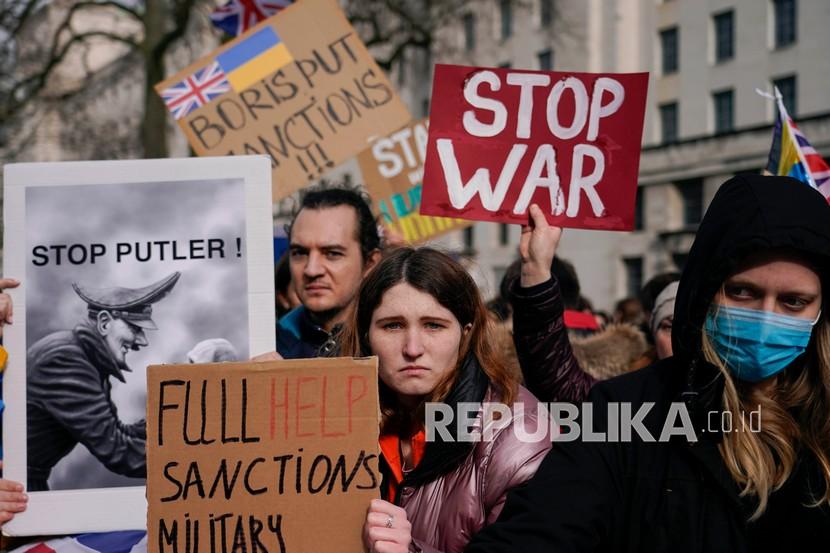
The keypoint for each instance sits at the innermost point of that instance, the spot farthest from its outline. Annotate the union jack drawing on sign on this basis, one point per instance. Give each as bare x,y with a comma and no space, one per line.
237,16
196,90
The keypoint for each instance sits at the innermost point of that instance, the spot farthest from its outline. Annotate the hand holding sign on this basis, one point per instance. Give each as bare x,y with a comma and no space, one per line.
500,139
387,530
12,499
537,247
6,307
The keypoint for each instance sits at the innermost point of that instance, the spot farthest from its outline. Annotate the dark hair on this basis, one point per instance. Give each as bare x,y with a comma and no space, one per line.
654,286
500,306
511,275
565,274
322,198
282,274
445,280
282,280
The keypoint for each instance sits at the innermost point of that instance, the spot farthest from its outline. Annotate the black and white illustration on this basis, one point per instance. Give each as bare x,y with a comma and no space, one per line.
118,276
121,277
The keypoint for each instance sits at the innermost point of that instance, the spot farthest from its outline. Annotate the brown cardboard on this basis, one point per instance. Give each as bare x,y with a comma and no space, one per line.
393,169
310,115
277,427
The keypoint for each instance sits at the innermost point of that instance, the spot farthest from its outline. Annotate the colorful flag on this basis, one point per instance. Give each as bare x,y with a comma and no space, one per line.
132,541
196,90
792,155
237,16
253,58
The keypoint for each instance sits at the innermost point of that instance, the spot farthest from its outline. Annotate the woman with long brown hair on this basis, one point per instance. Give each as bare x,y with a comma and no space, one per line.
745,463
422,315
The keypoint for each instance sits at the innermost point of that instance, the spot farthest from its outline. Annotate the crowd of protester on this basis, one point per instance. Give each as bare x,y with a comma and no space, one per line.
741,329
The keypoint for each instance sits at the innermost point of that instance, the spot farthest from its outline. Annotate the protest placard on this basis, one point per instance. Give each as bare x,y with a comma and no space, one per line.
300,87
275,457
393,169
123,264
501,139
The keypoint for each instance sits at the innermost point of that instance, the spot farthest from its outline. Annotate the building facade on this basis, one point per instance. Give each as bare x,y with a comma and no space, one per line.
704,123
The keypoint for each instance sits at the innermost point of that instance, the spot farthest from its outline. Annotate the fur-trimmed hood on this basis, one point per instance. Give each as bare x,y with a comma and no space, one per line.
617,349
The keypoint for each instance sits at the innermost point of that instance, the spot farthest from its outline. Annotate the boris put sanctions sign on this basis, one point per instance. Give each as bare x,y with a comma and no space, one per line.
277,457
501,139
300,87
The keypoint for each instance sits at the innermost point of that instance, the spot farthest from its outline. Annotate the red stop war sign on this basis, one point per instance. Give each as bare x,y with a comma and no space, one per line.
502,139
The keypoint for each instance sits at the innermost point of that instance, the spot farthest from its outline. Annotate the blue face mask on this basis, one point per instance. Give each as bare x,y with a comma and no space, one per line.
757,344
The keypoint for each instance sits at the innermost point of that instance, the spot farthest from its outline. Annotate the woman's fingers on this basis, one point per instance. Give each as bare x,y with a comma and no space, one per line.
270,356
381,506
537,218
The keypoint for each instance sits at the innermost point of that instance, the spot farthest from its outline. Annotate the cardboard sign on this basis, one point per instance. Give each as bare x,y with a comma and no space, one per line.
275,457
300,87
501,139
393,169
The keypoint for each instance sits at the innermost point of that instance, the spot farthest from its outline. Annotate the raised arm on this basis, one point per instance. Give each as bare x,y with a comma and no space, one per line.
550,369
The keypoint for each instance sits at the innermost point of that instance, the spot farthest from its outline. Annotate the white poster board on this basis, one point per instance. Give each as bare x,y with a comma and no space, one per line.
181,249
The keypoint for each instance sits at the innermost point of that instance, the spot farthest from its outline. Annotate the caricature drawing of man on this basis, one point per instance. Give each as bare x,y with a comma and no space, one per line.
68,388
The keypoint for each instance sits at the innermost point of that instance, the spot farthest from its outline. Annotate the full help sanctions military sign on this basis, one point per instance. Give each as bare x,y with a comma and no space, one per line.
501,139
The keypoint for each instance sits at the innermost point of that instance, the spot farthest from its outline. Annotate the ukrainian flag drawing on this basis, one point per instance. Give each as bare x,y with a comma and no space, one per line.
253,58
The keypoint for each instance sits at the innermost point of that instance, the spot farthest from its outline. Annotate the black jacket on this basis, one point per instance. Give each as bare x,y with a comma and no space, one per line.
68,402
678,495
299,338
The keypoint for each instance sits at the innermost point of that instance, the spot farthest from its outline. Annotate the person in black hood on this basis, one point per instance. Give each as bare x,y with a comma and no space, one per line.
733,451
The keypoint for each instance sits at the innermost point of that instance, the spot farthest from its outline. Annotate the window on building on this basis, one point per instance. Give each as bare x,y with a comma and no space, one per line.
639,213
425,107
469,32
785,21
668,123
545,58
469,238
506,65
504,234
724,35
546,12
724,108
633,276
669,49
691,192
506,10
787,87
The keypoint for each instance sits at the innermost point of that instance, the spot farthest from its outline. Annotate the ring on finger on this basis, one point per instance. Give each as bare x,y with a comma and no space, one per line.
389,521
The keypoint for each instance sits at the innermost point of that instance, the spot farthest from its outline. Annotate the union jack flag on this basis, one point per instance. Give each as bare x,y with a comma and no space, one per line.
134,541
195,91
237,16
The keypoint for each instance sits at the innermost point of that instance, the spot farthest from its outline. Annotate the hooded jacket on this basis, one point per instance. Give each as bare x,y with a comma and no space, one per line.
676,494
460,486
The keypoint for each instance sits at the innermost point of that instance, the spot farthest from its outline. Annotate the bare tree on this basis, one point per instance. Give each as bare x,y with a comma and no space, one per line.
147,29
39,37
391,27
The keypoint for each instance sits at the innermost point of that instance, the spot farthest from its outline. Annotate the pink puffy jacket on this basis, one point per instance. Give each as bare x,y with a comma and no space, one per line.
446,512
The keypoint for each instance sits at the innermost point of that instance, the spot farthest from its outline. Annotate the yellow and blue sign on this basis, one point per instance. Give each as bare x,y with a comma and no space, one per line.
255,57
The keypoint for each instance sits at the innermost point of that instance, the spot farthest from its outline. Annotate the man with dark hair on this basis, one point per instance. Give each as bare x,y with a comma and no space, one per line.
333,243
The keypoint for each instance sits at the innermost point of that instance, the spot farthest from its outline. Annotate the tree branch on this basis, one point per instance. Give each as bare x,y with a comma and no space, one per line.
181,17
105,4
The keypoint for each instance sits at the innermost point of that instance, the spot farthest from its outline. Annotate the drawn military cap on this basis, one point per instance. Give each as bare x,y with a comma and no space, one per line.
134,305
